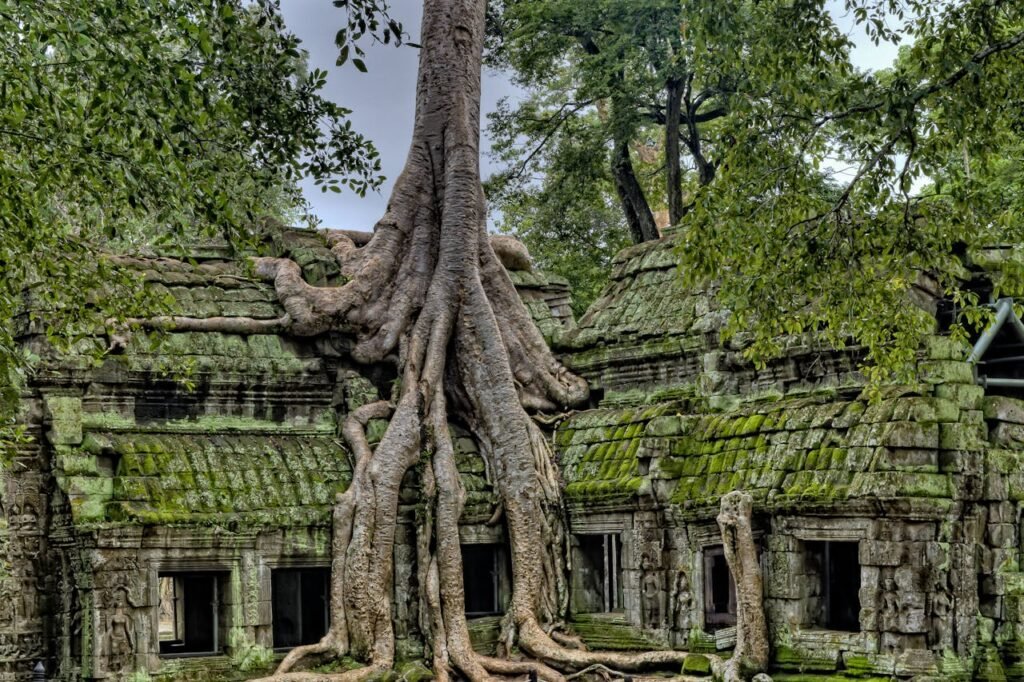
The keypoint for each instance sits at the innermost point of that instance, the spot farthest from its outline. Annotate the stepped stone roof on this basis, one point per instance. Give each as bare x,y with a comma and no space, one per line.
687,419
149,451
648,337
272,479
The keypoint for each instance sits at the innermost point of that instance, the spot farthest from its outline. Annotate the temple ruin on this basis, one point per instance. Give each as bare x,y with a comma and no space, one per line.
176,530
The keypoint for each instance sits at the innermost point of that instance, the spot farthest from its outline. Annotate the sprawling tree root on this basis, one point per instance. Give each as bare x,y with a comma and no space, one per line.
428,288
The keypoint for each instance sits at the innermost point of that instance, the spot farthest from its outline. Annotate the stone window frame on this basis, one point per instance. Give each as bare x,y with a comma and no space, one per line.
226,569
301,565
270,564
705,589
621,524
829,529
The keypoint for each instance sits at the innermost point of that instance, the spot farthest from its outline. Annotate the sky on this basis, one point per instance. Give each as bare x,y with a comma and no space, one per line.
382,100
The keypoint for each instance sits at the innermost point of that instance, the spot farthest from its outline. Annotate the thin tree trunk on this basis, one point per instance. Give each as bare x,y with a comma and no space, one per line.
735,522
705,168
639,217
673,174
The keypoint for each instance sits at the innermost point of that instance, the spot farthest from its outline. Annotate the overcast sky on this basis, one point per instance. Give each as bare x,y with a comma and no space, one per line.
382,99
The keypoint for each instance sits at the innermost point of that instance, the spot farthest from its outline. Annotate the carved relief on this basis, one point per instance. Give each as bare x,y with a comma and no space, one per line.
941,610
119,638
683,603
650,593
889,616
119,587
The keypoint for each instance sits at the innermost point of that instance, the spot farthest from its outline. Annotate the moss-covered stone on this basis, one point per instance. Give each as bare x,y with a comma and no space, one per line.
696,664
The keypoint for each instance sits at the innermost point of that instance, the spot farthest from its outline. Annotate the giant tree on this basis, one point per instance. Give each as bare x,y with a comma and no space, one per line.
177,118
428,293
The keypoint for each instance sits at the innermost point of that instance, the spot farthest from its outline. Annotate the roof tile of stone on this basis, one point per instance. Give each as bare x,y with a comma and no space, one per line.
817,448
258,479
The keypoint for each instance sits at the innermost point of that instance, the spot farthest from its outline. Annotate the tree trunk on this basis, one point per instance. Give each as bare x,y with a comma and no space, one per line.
673,174
705,168
751,653
639,217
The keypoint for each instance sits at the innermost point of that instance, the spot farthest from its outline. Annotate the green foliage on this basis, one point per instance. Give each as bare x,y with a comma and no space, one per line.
612,65
568,219
797,245
846,263
124,121
597,74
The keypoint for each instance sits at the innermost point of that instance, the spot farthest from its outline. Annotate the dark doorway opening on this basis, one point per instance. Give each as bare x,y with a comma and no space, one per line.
719,590
598,576
484,571
190,615
301,605
834,568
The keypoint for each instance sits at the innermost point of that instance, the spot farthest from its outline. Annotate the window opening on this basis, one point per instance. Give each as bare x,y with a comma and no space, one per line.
599,573
719,590
300,605
189,613
483,567
834,572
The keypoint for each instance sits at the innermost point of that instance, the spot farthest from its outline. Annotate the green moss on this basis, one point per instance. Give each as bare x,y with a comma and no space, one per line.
696,664
610,632
65,417
945,372
414,671
803,677
793,659
339,665
858,665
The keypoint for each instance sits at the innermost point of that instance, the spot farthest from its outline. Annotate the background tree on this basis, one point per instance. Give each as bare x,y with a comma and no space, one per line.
642,92
671,69
567,215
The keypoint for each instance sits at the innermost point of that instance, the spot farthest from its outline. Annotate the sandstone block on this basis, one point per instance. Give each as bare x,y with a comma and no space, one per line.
962,437
967,396
908,434
1004,409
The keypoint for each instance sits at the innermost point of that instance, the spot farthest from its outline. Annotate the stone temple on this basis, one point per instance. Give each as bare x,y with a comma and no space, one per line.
168,531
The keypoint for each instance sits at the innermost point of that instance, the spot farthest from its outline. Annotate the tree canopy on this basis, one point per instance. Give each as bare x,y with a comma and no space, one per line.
146,124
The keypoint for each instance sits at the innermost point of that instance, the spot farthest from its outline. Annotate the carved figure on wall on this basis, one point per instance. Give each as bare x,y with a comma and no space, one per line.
120,634
890,613
683,603
28,520
26,606
650,593
941,635
7,610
